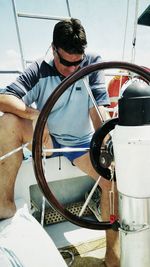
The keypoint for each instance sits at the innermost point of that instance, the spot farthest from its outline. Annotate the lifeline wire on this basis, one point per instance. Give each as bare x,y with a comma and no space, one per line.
14,151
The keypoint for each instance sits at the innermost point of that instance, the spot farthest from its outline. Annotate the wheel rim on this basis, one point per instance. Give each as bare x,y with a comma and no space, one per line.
38,133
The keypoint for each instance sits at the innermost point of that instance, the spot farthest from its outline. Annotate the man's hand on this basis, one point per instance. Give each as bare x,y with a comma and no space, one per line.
96,119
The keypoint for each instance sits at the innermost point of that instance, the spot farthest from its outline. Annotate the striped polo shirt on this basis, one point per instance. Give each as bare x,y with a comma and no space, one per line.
69,121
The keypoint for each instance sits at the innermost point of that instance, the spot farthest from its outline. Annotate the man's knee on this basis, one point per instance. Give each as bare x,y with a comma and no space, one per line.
13,126
9,120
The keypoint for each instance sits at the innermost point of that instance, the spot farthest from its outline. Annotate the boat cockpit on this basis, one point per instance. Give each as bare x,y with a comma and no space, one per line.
58,206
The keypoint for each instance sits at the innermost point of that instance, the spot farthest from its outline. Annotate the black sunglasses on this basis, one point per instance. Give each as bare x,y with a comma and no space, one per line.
68,63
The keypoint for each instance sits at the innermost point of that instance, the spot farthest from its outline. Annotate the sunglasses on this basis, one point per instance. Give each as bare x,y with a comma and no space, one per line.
69,63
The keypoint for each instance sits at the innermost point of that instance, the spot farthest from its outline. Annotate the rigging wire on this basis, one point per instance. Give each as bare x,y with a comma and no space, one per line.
134,32
18,34
123,50
125,32
68,8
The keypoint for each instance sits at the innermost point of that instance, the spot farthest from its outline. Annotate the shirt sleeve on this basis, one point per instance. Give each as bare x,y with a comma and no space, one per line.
25,83
97,82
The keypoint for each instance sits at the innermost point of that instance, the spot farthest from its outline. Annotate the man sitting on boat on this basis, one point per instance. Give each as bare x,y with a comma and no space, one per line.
69,123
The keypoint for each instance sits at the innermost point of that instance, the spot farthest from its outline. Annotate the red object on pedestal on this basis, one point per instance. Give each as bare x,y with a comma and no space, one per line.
114,87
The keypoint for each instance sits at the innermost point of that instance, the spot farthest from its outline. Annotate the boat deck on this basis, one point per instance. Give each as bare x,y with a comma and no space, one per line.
65,243
82,247
77,246
90,259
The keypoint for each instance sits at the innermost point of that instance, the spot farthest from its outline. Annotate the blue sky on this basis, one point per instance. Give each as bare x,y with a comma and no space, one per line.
104,22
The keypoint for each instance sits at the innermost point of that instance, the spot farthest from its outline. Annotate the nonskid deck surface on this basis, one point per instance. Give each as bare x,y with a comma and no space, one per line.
89,254
93,258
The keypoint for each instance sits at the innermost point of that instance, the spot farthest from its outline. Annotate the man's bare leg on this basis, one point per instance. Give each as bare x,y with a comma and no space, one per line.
112,257
13,132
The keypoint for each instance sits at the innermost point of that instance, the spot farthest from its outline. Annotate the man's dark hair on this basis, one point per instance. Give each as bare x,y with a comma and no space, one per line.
70,35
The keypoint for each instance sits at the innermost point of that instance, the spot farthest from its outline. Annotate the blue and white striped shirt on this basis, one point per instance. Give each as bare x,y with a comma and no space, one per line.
69,121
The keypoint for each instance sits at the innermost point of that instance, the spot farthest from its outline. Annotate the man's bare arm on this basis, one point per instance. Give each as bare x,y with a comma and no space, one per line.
14,105
96,119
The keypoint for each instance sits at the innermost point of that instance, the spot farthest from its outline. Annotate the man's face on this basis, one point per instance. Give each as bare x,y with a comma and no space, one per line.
66,63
